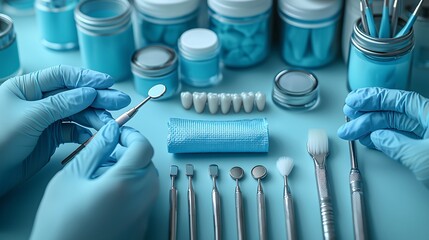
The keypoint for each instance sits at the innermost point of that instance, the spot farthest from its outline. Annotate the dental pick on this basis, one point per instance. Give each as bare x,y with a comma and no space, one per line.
410,21
192,212
154,93
214,172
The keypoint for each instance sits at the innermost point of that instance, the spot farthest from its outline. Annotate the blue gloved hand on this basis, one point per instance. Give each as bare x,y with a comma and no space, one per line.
103,193
392,121
33,108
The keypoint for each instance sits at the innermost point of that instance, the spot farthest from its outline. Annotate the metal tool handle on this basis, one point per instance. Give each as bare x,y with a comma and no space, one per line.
239,211
326,209
290,218
262,221
173,214
216,214
358,207
77,150
192,215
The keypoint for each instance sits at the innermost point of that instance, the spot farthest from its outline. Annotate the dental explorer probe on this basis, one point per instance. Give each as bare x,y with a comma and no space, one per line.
191,203
174,170
153,93
358,208
214,172
237,173
259,172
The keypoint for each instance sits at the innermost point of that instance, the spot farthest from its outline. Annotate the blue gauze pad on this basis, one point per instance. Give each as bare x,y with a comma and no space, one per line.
198,136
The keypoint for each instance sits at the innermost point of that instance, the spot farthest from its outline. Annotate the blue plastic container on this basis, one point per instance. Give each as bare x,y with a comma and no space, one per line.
199,52
379,62
243,28
106,36
156,64
9,57
163,21
309,31
57,24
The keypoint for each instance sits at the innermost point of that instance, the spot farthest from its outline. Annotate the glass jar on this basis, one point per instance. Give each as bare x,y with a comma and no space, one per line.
57,24
309,31
106,36
379,62
9,56
199,58
243,28
163,21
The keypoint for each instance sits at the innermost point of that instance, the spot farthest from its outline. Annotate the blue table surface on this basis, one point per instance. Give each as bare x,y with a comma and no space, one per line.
397,204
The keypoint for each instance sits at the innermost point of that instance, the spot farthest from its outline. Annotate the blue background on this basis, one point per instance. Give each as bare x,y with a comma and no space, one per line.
397,205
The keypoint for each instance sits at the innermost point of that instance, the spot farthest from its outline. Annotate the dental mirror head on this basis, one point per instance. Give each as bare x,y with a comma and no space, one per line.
259,172
157,91
236,173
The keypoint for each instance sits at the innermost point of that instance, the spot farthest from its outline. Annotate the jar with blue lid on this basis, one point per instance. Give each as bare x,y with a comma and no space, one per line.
9,57
156,64
243,28
379,62
163,21
57,24
106,36
199,58
309,31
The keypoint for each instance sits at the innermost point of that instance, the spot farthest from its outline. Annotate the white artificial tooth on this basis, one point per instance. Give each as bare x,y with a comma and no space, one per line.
260,100
186,99
199,100
213,102
225,102
236,102
248,101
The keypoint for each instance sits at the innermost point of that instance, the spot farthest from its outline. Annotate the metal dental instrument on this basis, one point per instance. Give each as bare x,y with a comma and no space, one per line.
358,208
174,170
394,18
154,93
214,172
410,21
237,173
369,18
363,17
259,172
191,203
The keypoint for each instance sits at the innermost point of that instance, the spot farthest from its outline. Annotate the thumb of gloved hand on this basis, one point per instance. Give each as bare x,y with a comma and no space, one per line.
412,153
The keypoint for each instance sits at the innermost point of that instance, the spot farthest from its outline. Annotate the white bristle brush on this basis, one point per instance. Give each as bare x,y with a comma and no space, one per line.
285,165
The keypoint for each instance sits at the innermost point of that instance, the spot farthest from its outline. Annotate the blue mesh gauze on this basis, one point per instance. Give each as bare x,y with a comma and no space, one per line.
198,136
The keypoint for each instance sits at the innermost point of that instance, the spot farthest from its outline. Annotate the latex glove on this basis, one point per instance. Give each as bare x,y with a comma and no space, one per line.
100,195
33,108
392,121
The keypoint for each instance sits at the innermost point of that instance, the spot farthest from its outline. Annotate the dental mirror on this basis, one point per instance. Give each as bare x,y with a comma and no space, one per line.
157,91
259,172
236,173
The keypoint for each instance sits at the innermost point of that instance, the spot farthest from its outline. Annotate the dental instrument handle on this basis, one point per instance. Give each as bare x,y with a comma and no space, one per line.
370,19
192,212
262,221
394,18
173,214
77,150
358,208
239,211
410,21
385,21
289,214
326,208
363,18
216,214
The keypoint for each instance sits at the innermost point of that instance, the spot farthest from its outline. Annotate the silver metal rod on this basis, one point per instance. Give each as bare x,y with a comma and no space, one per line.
289,212
262,221
239,210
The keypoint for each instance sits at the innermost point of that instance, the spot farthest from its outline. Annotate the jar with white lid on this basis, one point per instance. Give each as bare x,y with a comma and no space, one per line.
199,57
163,21
9,57
243,28
309,31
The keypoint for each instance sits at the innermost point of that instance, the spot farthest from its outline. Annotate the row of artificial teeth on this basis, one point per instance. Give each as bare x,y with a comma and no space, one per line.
224,101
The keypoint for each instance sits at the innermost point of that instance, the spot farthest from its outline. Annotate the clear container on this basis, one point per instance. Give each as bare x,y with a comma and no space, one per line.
243,28
379,62
9,57
57,24
199,58
106,36
18,7
309,31
163,21
155,64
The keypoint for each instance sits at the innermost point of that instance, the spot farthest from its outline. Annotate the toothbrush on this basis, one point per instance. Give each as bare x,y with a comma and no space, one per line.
318,148
385,21
369,19
394,18
362,16
174,170
410,21
285,165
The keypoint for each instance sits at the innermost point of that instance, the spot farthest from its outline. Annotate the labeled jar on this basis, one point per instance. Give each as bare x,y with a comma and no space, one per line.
106,36
379,62
9,57
199,58
309,31
57,24
243,28
155,64
163,21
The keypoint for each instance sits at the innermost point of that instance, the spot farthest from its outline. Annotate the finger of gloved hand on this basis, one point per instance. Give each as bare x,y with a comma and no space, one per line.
32,86
366,141
96,152
381,99
113,159
372,121
71,132
351,113
93,118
